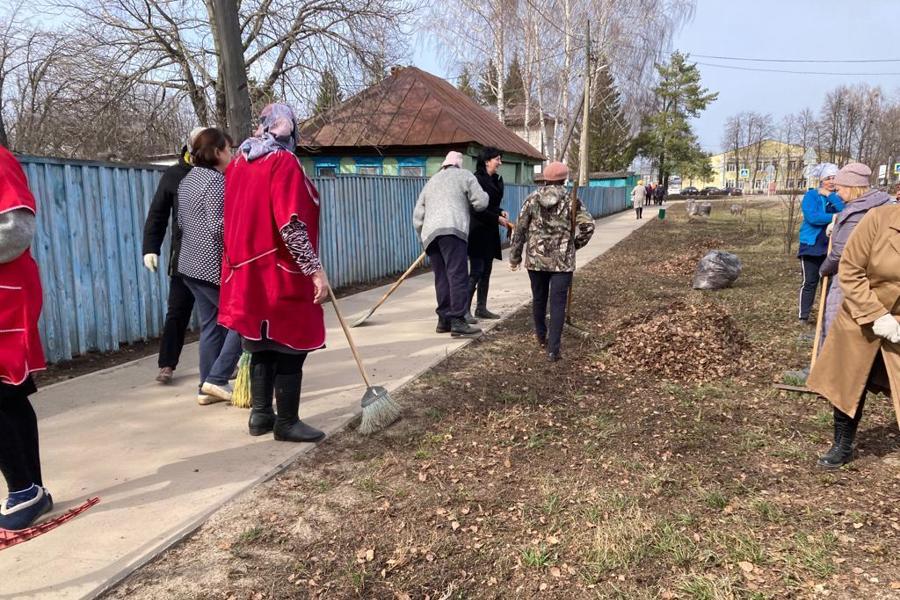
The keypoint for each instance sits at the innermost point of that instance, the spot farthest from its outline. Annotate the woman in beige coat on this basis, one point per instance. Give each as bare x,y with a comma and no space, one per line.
862,350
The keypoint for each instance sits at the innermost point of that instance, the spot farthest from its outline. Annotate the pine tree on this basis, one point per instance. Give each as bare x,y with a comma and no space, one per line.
329,92
514,85
610,143
667,135
465,84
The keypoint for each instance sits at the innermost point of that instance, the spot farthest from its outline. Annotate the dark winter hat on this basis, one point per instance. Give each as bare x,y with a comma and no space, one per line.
488,153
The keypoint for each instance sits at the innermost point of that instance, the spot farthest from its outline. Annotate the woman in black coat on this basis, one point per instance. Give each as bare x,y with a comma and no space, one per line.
484,232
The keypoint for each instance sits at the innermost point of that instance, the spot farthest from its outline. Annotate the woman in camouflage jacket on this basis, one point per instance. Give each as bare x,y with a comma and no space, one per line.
545,231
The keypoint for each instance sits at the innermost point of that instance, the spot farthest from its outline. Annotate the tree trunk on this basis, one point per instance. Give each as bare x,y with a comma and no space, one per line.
232,69
4,140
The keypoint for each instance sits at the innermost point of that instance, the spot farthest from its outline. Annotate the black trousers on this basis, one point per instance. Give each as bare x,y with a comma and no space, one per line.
178,317
449,262
480,269
20,457
553,287
639,212
809,266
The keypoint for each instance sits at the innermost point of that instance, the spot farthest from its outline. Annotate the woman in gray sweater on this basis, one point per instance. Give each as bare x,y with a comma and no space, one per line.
441,219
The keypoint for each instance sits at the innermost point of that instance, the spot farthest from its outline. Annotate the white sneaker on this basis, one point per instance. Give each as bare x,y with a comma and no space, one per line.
220,393
204,399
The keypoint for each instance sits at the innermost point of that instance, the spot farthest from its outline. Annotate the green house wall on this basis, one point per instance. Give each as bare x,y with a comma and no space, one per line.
515,168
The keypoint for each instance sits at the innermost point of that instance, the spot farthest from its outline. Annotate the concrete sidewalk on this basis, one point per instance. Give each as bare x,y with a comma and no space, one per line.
161,464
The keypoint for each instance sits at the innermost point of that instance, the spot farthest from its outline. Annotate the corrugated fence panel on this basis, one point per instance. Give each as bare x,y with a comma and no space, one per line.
97,293
365,228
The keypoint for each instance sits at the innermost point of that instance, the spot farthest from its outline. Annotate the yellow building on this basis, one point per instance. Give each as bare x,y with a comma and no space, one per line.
750,167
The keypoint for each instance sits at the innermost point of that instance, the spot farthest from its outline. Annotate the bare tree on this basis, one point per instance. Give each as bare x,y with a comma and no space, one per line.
174,44
631,37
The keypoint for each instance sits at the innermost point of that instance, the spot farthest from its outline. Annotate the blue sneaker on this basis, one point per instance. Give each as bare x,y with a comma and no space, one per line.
23,508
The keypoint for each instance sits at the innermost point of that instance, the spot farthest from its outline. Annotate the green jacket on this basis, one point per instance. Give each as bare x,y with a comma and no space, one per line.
544,230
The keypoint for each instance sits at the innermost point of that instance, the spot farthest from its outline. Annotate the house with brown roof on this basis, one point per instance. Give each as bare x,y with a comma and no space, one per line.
404,126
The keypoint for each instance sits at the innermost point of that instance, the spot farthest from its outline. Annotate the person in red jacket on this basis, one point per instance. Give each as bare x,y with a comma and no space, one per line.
273,283
21,353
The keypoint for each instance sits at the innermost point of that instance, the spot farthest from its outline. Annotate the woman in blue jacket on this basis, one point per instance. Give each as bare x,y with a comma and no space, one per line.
819,207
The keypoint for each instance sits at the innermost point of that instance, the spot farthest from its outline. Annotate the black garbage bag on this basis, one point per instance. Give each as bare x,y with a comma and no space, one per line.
717,270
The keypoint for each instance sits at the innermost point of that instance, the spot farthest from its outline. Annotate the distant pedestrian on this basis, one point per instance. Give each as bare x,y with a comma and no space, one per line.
441,219
818,207
648,196
163,210
201,199
638,196
546,237
273,281
484,233
659,194
21,353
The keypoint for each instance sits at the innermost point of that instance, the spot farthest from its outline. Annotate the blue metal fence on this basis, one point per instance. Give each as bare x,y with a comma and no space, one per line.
97,294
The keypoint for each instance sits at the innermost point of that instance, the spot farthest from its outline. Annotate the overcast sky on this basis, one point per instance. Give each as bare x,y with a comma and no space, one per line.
777,29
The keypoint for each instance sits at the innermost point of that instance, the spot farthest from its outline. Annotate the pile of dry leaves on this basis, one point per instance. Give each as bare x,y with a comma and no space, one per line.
684,263
689,341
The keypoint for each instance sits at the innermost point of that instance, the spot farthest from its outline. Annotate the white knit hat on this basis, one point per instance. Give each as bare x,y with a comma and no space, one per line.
193,135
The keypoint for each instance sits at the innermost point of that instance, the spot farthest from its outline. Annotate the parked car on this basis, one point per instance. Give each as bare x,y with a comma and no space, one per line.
733,191
690,191
710,191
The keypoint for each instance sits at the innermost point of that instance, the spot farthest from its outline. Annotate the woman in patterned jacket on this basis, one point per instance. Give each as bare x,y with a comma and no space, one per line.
201,199
273,283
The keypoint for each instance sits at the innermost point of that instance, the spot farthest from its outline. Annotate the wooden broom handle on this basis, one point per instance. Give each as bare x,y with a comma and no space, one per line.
359,364
397,283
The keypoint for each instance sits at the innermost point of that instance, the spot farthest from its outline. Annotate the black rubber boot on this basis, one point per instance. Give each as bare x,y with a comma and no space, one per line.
841,452
262,386
460,328
443,326
288,427
481,311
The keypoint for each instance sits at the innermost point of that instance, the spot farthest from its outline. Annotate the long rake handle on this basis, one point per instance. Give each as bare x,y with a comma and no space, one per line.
403,277
574,218
359,364
820,322
820,315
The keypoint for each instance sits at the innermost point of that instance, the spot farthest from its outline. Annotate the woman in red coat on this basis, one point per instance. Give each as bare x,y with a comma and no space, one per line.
272,281
20,352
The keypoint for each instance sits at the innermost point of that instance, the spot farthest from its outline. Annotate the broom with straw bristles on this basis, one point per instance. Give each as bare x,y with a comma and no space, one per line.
240,396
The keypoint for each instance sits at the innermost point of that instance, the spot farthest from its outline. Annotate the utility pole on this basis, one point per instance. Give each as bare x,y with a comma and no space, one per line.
586,107
233,69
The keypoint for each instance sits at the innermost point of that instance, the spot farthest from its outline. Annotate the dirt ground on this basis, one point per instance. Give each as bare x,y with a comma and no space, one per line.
655,461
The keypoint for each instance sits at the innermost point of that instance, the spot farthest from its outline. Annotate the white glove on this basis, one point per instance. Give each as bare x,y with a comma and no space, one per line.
829,229
151,261
887,327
